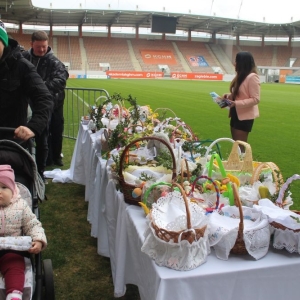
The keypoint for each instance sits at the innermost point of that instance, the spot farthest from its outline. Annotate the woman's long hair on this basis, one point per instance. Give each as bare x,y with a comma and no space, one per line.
244,65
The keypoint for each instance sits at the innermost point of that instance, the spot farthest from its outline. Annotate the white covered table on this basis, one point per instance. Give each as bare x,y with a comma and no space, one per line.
119,228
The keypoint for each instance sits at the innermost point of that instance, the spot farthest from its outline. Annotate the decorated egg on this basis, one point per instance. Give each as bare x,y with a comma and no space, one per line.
164,193
137,192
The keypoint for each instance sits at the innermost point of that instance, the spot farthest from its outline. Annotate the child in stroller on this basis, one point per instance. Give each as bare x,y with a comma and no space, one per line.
17,218
38,273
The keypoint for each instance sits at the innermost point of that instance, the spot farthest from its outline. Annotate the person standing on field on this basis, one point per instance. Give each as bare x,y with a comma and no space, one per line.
55,75
244,97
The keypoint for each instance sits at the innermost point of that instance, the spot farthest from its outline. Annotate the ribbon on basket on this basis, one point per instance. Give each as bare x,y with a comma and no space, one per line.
280,199
229,192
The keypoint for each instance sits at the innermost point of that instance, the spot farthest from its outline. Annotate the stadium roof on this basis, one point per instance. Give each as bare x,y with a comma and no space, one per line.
23,12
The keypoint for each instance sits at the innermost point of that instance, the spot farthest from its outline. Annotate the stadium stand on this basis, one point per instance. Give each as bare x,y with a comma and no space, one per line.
102,50
199,49
140,44
68,51
125,54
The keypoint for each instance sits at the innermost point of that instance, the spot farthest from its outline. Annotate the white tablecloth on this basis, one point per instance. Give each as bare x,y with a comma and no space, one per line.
119,228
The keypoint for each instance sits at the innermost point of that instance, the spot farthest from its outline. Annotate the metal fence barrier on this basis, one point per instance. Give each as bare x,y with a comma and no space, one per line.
78,102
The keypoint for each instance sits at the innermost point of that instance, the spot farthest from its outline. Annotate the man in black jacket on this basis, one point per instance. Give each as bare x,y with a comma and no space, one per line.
55,75
19,82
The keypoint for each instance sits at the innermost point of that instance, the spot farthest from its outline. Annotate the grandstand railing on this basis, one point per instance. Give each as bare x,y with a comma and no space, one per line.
78,102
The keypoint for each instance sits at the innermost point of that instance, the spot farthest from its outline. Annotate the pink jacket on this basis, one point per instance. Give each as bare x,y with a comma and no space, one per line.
248,98
17,219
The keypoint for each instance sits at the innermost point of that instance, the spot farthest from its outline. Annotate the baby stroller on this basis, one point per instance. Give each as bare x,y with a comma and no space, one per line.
39,282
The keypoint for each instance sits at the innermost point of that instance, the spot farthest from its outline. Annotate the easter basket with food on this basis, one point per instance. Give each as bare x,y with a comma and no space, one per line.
284,223
176,129
239,230
177,234
136,168
263,185
240,165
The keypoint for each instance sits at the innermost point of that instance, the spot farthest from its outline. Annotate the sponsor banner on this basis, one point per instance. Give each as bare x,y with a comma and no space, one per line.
158,57
197,61
197,76
292,79
96,76
134,74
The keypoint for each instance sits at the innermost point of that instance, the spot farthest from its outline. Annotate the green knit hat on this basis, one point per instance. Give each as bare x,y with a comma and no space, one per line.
3,34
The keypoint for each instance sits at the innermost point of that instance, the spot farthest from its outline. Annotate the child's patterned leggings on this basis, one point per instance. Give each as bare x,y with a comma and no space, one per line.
12,267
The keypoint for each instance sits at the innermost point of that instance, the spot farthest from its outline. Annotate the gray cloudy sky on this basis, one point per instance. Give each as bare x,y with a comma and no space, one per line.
268,11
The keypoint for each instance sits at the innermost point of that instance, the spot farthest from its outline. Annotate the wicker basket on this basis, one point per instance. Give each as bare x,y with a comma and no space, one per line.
234,163
191,194
279,201
185,172
276,174
189,235
216,143
177,235
180,129
126,188
239,246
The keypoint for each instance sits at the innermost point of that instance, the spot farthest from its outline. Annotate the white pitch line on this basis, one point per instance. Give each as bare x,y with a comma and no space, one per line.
85,103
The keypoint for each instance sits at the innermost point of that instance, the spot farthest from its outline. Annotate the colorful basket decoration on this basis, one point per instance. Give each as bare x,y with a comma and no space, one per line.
129,190
177,235
228,192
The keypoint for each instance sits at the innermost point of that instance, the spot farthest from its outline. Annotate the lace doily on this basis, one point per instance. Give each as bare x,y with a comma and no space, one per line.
224,230
169,212
286,239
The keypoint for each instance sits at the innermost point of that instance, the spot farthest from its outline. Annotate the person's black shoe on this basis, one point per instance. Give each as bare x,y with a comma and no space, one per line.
58,162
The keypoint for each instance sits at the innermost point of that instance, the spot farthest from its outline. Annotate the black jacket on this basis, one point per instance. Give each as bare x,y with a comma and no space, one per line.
53,72
20,82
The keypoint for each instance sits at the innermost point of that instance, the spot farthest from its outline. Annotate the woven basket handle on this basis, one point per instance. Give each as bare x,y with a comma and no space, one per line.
213,182
185,162
216,157
283,188
186,202
238,203
233,162
146,138
215,142
278,180
166,109
148,191
133,126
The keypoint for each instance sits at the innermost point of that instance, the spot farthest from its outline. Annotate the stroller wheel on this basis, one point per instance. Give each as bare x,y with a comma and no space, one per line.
48,280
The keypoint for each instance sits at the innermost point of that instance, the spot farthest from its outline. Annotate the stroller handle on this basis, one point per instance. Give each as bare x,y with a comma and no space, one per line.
10,131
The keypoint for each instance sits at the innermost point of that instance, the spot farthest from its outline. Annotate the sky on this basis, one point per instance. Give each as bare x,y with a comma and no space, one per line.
267,11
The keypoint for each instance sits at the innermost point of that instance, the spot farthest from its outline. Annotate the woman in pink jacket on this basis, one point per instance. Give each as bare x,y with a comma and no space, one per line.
16,218
244,97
